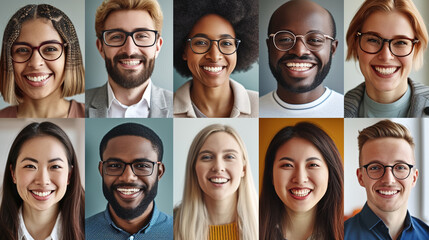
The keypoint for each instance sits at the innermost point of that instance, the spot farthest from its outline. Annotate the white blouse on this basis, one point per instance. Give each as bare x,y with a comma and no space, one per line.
23,233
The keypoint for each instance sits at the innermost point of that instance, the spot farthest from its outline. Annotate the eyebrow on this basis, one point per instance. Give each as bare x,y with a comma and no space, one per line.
206,36
36,161
224,151
134,29
26,43
394,162
307,160
394,37
134,160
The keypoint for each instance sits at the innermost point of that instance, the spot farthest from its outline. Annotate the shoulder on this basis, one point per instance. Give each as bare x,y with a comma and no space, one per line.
352,101
95,221
96,92
353,228
9,112
161,91
77,109
420,226
419,88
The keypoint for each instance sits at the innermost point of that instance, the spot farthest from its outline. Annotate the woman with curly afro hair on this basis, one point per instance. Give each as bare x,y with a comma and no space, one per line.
211,40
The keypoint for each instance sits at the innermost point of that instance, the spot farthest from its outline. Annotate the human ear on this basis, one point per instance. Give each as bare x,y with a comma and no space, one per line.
100,47
334,46
100,168
161,170
12,173
415,176
359,176
158,46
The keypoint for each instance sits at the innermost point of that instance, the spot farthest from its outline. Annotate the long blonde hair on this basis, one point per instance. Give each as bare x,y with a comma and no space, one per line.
191,217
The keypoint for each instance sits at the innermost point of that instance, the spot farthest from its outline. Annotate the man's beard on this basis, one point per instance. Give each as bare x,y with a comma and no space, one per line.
130,213
129,79
318,79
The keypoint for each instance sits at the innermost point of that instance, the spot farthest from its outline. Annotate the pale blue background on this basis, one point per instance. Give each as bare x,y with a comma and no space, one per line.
95,130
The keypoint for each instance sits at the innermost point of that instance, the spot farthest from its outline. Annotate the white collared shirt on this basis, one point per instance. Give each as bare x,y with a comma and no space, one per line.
23,233
118,110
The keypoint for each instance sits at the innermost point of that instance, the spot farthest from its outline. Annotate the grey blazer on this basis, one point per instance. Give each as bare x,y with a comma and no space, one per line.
96,102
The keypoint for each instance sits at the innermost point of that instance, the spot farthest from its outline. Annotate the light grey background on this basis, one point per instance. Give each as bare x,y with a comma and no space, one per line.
73,9
186,129
352,73
96,74
354,194
73,127
248,79
95,131
334,80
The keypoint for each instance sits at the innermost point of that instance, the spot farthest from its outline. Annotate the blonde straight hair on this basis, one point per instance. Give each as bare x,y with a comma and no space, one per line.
191,217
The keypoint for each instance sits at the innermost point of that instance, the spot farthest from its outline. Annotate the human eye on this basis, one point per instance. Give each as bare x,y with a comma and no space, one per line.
200,42
315,39
230,157
227,43
51,49
114,165
375,167
401,167
22,50
206,157
56,166
30,166
142,165
373,40
141,35
115,36
313,165
286,165
401,43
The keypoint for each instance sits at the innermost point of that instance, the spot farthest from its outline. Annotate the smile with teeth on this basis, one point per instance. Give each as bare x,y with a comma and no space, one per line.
385,70
37,78
130,62
218,180
128,191
300,192
299,66
212,69
389,193
42,194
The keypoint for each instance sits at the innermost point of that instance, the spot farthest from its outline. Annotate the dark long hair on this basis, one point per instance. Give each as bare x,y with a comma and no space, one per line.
329,216
72,205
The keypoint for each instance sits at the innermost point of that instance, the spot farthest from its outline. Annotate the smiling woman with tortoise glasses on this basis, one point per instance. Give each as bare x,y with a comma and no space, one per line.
41,64
212,40
388,39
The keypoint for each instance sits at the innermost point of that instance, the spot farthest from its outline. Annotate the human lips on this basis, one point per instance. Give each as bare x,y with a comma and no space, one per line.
218,180
132,62
299,66
213,68
385,70
41,194
300,192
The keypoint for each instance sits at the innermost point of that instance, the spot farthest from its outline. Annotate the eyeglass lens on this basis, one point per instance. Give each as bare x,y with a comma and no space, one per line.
202,45
48,51
371,43
377,170
140,168
142,38
286,40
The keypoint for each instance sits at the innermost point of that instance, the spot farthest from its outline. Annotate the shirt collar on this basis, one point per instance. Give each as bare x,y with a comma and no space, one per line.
371,220
23,233
153,219
146,95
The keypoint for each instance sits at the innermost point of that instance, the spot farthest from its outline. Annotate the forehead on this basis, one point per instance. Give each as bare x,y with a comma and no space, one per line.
130,148
301,19
387,151
42,148
388,24
298,149
220,141
212,25
129,20
38,30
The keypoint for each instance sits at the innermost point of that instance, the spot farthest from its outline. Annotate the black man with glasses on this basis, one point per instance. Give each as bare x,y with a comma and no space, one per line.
129,40
301,43
131,166
388,40
388,172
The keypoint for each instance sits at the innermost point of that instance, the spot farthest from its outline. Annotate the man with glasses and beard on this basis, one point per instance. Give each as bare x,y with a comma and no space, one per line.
301,42
129,40
131,166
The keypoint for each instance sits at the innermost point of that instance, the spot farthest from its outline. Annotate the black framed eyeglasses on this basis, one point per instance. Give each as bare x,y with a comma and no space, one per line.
372,44
49,51
377,170
201,45
118,37
285,40
140,167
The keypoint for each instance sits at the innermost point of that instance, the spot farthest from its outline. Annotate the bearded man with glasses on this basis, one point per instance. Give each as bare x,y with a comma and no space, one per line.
388,173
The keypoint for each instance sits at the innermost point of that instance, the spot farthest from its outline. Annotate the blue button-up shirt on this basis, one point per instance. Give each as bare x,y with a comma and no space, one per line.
367,225
101,226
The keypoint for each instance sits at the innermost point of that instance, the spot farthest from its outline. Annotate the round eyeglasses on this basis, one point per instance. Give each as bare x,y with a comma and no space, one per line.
201,45
376,170
372,44
139,167
141,37
286,40
50,51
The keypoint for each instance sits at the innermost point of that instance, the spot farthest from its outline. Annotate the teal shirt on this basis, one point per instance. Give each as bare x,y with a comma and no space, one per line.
399,108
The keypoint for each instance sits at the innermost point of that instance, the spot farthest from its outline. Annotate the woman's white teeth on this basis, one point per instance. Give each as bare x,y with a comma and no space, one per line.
128,191
131,62
213,69
387,192
41,194
218,180
38,78
385,71
300,192
299,66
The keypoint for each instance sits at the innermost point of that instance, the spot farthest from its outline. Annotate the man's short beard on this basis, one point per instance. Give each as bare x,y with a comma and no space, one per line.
129,79
130,213
318,79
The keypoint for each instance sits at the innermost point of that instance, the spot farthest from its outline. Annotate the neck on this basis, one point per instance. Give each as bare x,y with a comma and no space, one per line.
393,220
299,98
386,97
213,101
221,211
39,223
134,225
128,96
300,225
53,106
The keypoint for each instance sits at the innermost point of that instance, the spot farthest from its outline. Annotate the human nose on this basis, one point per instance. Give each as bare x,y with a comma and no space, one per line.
42,177
214,53
300,175
218,165
129,46
128,174
385,53
299,48
388,176
36,59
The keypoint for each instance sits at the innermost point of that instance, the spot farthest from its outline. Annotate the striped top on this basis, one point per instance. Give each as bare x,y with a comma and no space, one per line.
224,232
